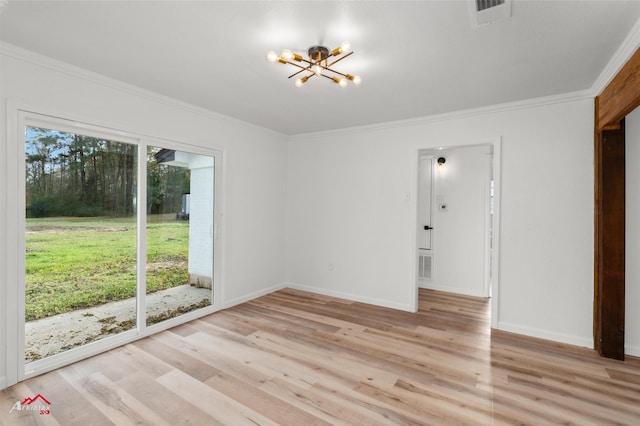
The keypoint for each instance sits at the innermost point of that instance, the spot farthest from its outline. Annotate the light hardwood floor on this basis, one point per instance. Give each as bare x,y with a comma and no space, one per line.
296,358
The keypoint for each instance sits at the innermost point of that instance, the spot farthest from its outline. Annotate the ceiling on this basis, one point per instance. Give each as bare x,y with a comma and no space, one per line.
416,58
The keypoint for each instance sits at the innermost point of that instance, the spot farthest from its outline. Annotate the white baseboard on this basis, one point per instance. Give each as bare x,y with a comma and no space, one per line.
254,295
632,350
547,335
352,297
3,383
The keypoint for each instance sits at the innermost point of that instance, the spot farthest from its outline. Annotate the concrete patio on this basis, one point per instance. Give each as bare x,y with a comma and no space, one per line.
58,333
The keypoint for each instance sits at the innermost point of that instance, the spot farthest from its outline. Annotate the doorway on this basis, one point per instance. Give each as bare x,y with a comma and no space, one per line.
457,217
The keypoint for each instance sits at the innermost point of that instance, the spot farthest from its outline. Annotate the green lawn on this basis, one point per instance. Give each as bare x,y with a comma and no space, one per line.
74,263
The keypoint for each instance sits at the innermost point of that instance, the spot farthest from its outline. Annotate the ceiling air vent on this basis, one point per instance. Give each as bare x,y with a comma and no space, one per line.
485,12
486,4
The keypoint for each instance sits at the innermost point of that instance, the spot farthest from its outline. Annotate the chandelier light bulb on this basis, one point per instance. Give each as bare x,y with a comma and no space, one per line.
343,82
287,54
355,78
317,69
299,82
272,56
341,49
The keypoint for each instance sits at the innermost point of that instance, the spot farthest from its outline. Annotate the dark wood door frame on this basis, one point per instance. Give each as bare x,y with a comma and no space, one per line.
617,100
609,292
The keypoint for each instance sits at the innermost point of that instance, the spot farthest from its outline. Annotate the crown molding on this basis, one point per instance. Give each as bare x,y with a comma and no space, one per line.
455,115
13,51
619,58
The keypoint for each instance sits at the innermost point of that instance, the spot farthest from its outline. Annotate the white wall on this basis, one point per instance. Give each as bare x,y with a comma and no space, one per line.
632,236
255,162
460,230
347,217
349,206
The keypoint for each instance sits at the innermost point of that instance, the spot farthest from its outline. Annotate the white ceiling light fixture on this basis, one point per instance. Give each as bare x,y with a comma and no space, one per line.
317,65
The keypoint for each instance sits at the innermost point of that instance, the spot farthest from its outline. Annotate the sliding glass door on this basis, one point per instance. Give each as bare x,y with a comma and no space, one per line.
179,270
118,238
80,240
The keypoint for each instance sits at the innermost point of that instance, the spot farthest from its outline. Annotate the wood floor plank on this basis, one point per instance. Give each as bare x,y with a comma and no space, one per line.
297,358
120,406
223,361
120,362
258,362
176,411
268,403
222,408
177,359
68,405
299,311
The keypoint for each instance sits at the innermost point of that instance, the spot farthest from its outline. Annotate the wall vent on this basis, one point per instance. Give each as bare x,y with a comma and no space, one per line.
425,264
485,12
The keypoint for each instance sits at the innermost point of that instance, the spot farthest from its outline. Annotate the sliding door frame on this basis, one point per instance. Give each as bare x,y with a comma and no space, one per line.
20,116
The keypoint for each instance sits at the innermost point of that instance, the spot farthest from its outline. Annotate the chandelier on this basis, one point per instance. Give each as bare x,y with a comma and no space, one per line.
319,64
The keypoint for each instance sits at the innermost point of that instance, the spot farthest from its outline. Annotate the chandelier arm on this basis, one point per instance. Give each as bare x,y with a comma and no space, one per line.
325,76
333,71
299,71
327,67
299,66
339,59
296,65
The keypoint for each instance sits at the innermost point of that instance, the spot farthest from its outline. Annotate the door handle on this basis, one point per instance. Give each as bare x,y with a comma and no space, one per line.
428,228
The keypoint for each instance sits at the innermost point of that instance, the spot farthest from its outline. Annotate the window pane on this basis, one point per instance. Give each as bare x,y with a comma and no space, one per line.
179,233
80,240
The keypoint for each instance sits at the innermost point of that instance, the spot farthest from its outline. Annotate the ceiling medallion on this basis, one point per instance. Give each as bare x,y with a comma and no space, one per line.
317,64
